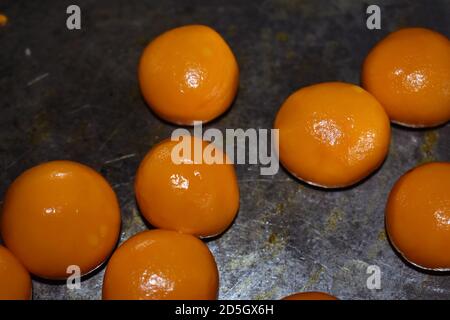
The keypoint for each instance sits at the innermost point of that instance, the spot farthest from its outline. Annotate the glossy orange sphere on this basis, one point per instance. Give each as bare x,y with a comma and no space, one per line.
418,216
15,281
196,198
409,73
58,214
161,265
310,296
188,74
332,134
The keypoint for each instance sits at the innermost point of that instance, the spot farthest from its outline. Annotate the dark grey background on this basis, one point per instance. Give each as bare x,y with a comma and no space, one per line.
76,97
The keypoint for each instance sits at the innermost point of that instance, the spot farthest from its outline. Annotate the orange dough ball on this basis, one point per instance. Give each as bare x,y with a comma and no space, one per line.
310,296
3,20
188,74
332,134
161,265
409,73
15,281
196,198
58,214
418,216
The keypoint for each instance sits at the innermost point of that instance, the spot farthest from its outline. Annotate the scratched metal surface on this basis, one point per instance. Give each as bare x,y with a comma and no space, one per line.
74,95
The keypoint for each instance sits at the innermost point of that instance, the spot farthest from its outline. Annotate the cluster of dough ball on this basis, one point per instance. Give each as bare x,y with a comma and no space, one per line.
331,135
